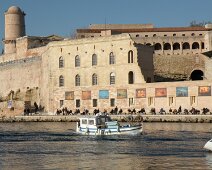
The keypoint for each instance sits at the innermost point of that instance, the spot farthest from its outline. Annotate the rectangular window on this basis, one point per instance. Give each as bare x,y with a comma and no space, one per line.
94,102
150,101
193,100
61,103
171,101
112,102
78,103
131,101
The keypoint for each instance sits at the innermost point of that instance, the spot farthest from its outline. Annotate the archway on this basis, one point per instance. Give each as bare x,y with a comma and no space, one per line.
197,75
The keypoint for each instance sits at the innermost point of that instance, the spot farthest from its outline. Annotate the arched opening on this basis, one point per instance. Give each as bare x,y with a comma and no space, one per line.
94,59
157,46
197,75
77,61
112,78
195,45
77,80
130,77
112,58
61,81
186,46
130,56
148,44
167,46
176,46
61,62
94,79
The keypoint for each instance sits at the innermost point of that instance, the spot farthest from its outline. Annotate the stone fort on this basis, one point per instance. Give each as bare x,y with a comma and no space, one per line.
106,65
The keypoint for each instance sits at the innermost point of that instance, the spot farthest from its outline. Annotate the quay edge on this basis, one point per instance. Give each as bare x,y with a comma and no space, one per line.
121,118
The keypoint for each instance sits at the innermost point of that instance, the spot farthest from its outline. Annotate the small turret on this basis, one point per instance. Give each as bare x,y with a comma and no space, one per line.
14,28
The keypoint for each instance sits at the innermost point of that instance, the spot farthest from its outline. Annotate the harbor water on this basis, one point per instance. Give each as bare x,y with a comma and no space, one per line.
55,145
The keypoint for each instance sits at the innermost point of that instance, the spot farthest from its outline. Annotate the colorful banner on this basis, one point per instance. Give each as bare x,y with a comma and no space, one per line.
86,95
160,92
103,94
181,91
204,91
121,93
141,93
69,95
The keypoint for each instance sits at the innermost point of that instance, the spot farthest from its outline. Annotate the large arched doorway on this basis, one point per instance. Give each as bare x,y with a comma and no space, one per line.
197,75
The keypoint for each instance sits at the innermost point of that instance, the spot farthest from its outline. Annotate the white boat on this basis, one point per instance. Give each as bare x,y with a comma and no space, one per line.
103,125
208,145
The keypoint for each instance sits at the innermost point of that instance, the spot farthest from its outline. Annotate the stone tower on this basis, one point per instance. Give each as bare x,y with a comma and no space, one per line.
14,28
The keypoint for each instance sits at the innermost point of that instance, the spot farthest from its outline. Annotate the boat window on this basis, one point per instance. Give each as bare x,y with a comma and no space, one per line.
91,122
84,121
98,121
103,120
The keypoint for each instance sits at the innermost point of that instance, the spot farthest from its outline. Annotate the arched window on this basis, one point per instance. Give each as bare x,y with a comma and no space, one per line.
61,62
77,61
94,79
112,58
176,46
148,44
195,45
167,46
186,46
77,80
157,46
130,56
112,78
94,59
130,78
61,81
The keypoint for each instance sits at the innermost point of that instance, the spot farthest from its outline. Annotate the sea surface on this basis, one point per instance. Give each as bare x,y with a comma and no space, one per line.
54,145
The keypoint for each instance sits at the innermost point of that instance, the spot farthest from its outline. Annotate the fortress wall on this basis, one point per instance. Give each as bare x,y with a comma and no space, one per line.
20,75
171,66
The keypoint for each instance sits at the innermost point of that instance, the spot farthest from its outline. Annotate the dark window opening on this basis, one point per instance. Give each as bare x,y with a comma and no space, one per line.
176,46
197,75
130,77
78,103
167,46
186,46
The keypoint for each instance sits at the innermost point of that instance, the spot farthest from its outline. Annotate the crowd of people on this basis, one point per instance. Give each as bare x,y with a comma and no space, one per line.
118,111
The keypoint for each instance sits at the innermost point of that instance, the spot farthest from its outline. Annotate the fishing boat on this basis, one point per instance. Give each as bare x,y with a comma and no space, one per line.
208,145
102,124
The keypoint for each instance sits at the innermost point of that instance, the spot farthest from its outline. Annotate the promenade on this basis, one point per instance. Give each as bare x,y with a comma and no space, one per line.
146,118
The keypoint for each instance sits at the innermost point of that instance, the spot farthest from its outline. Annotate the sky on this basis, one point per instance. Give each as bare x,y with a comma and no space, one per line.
63,17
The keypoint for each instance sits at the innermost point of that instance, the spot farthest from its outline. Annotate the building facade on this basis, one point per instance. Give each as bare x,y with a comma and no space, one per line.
176,50
102,69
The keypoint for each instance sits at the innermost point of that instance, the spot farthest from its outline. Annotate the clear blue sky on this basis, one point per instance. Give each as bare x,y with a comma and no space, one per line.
62,17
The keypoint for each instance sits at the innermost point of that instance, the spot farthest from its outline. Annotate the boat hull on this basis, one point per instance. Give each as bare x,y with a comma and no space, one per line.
208,145
134,130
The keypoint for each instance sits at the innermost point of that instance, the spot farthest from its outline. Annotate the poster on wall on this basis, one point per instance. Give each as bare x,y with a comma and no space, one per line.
9,104
160,92
69,95
86,95
103,94
181,91
204,91
121,93
141,93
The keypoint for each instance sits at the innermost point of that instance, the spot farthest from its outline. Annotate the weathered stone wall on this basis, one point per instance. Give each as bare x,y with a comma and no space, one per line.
18,77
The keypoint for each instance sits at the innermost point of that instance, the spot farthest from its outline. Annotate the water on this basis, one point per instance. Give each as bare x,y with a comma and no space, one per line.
25,146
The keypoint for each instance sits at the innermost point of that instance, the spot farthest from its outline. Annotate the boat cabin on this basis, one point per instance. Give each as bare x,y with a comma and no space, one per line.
94,121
